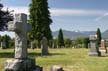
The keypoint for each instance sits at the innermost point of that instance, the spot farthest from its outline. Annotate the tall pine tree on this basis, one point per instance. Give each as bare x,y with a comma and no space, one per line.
98,36
60,39
40,20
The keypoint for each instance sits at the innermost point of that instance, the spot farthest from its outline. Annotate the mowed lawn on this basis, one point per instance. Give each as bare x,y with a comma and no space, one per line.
70,59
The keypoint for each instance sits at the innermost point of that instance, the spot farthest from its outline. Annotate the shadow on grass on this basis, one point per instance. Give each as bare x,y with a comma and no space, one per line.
7,55
103,56
31,55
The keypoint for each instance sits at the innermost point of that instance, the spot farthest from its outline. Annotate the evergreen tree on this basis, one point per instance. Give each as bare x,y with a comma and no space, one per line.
67,42
98,36
40,20
5,17
60,39
6,39
86,41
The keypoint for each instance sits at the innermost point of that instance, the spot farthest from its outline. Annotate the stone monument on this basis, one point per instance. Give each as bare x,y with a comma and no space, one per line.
21,62
103,46
3,45
44,46
93,47
32,44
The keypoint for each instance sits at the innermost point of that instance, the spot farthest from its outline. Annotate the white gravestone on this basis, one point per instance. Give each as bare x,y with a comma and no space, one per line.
3,45
19,26
56,68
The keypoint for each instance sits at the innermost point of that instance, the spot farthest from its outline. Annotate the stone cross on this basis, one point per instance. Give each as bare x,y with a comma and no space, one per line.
20,27
21,62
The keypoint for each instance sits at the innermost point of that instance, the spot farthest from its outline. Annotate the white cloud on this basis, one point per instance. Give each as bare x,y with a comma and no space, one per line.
21,10
101,17
60,11
74,12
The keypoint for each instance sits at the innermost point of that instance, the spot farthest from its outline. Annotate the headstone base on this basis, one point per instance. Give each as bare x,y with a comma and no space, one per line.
22,65
93,54
56,68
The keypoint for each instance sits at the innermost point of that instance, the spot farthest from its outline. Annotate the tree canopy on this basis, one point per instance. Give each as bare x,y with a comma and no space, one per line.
40,20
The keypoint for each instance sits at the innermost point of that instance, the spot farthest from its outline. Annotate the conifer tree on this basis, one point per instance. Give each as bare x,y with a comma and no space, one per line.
98,36
40,20
60,39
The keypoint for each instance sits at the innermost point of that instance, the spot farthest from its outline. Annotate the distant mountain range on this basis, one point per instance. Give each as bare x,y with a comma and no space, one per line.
105,34
75,34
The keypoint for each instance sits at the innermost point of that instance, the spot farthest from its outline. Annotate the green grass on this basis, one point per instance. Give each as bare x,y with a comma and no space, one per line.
69,59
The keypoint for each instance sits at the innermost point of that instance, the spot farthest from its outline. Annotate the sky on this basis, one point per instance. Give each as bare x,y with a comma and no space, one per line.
71,15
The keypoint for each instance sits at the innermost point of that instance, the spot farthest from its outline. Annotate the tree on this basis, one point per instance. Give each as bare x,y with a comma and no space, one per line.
60,38
40,20
98,36
6,39
86,41
5,17
68,42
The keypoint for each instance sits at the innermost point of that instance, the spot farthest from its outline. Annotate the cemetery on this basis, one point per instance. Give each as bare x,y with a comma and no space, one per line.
35,49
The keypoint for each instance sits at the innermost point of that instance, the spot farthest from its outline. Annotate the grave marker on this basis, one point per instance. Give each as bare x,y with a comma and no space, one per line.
93,47
21,62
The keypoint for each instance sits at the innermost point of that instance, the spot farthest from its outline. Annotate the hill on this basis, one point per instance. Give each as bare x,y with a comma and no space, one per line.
74,34
105,34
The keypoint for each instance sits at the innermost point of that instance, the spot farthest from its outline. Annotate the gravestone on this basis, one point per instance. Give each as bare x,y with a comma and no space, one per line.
21,62
44,47
32,44
103,46
3,45
56,68
54,45
93,47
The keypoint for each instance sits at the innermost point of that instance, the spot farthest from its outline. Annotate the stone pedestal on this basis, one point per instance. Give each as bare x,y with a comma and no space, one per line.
93,47
56,68
22,65
93,54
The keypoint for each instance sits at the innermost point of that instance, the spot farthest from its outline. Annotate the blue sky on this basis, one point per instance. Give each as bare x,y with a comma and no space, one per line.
72,15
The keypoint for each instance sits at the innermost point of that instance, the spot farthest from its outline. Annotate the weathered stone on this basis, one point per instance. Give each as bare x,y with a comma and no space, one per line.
103,46
56,68
32,44
21,61
93,50
19,26
22,65
44,46
3,45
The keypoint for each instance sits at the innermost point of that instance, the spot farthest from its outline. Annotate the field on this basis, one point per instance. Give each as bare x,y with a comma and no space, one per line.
70,59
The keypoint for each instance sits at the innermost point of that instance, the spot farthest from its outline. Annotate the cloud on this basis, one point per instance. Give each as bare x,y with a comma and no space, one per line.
74,12
20,9
101,17
59,11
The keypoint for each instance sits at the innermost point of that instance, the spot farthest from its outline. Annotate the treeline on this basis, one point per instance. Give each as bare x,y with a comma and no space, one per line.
62,42
6,42
58,42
